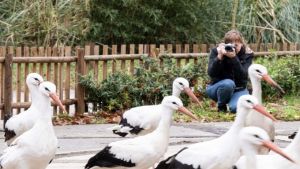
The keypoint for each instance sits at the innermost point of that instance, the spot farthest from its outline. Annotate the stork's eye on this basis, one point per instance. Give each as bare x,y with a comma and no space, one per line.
46,88
256,136
174,103
257,70
181,83
36,79
249,101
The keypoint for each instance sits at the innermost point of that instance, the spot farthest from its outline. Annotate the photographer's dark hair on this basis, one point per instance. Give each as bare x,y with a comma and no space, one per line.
234,36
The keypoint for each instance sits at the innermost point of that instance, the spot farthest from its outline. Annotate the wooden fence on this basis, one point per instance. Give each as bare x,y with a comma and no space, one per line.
63,65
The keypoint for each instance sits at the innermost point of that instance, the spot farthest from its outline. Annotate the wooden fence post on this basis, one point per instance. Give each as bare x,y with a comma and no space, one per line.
7,88
80,90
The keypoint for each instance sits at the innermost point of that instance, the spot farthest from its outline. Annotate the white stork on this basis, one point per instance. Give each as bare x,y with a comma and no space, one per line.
144,119
272,161
35,148
144,151
257,73
22,122
220,153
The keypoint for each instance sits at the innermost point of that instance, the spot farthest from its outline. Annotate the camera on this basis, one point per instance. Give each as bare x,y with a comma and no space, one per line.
229,47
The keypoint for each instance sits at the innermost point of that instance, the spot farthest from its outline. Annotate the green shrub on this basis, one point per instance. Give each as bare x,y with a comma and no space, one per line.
152,82
149,84
285,71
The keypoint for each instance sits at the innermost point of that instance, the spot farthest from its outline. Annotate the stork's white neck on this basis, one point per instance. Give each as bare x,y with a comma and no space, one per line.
43,106
240,118
165,121
33,90
256,88
175,91
250,154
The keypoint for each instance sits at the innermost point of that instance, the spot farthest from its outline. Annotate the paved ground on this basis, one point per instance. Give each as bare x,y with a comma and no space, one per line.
78,143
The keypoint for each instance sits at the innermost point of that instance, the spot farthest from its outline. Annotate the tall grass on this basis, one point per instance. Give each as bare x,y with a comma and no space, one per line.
43,22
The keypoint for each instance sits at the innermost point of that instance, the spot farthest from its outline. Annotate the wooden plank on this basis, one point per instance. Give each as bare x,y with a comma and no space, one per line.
27,104
253,47
146,49
169,48
104,66
293,47
48,70
53,59
152,52
87,51
277,46
161,51
80,90
114,63
132,51
262,47
211,46
284,46
92,64
123,62
8,88
34,53
203,48
187,50
195,50
269,47
19,82
141,51
41,53
96,63
55,75
67,76
2,55
178,50
26,72
60,76
10,50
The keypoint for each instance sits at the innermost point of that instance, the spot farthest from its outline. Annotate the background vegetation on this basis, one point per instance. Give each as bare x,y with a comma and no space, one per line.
74,22
150,83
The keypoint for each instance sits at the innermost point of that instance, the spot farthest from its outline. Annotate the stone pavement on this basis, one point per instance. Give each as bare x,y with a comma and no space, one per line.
78,143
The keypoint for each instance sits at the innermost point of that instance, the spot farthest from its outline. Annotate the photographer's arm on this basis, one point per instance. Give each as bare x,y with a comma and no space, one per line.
215,65
241,70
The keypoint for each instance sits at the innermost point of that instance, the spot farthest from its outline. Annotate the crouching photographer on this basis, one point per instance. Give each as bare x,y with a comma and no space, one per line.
228,70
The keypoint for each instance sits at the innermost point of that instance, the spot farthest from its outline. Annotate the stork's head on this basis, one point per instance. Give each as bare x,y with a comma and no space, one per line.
250,102
34,79
260,72
49,89
175,103
254,137
181,84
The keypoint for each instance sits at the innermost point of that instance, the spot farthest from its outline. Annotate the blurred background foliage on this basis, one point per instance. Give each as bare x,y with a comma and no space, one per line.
75,22
151,83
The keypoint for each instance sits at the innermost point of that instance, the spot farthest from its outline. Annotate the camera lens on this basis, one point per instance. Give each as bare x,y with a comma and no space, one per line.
229,47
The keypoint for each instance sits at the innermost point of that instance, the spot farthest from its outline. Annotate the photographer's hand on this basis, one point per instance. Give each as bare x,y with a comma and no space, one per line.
221,51
231,54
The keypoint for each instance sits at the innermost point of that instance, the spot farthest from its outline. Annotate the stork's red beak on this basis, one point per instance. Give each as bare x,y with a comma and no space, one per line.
261,109
56,99
187,112
190,93
277,150
269,80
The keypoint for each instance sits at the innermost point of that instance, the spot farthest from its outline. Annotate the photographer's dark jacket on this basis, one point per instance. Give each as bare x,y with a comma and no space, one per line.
235,68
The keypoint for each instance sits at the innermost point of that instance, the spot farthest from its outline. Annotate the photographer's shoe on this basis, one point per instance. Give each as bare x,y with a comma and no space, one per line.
222,108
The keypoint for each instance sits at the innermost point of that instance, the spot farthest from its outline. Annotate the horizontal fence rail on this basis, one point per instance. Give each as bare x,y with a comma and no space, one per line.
64,65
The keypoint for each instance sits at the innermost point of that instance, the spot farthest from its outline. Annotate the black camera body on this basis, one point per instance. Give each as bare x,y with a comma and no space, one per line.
229,47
